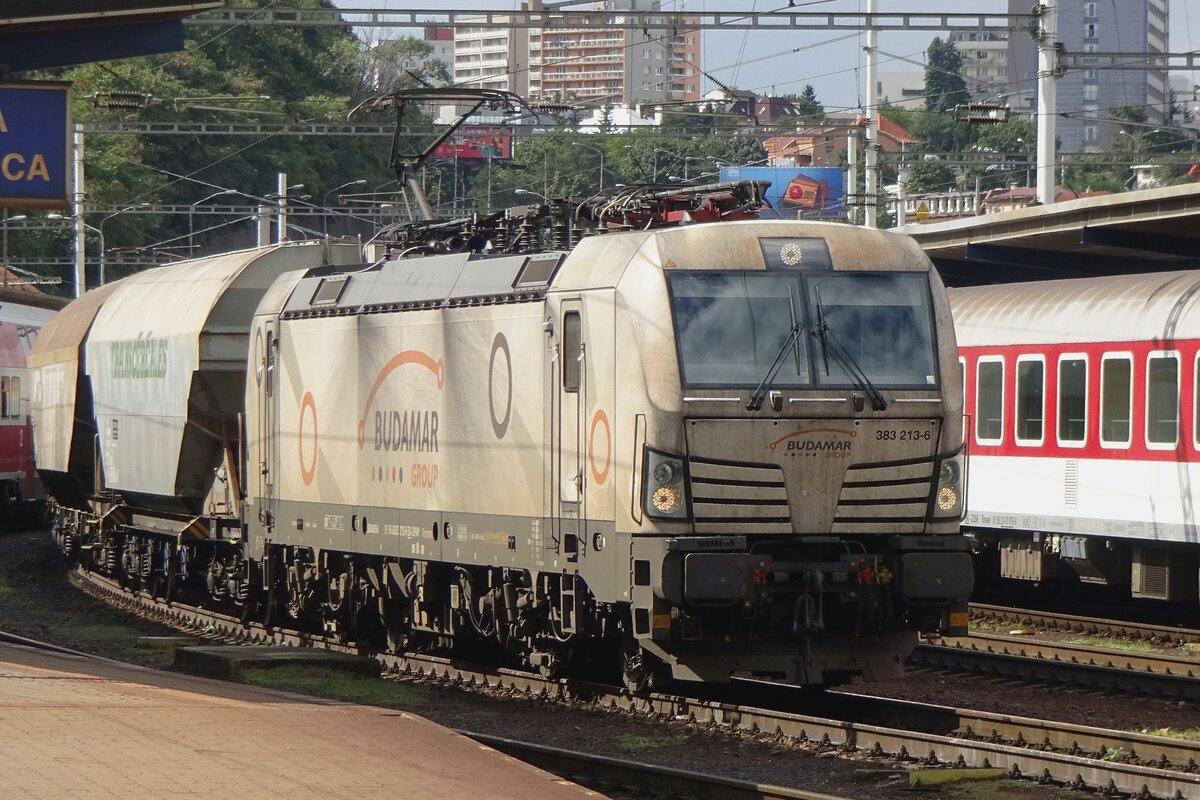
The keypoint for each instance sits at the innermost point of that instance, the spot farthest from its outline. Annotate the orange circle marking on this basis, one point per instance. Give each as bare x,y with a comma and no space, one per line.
601,475
309,471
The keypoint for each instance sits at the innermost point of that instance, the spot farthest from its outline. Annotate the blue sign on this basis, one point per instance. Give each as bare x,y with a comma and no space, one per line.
35,145
797,192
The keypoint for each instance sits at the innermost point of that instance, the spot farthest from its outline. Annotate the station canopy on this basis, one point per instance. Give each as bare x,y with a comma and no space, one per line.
37,34
1152,230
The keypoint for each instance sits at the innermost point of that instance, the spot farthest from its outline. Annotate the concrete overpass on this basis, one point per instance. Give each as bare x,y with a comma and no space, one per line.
1153,230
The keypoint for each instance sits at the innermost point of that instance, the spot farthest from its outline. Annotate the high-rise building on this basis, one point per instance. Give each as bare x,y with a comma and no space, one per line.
985,63
614,65
1092,96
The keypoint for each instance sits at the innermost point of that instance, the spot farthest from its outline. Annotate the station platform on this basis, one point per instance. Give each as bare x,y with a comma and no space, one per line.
78,727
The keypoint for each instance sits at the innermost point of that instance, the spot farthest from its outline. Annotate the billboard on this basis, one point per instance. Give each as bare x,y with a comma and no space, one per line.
797,192
35,145
476,144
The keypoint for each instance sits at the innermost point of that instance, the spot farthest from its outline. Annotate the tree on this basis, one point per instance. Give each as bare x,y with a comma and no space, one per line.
807,104
944,84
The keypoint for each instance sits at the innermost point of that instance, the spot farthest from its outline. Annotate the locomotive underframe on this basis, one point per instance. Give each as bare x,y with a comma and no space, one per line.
813,610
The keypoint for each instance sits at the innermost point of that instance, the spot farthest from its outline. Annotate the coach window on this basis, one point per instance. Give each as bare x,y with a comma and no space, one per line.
1196,403
1162,399
1072,400
1116,400
3,398
572,337
962,377
989,400
1031,400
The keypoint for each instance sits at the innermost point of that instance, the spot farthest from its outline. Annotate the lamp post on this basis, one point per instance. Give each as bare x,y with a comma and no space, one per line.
192,209
117,213
600,151
657,150
535,194
325,202
4,225
81,281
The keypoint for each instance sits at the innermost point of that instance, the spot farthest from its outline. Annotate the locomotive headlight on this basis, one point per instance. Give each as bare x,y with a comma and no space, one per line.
666,499
664,485
948,491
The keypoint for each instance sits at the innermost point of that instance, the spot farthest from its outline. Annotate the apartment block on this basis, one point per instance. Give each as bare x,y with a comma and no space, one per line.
1090,95
589,65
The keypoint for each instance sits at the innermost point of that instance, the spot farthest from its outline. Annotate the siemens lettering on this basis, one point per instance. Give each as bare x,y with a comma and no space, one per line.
139,358
407,431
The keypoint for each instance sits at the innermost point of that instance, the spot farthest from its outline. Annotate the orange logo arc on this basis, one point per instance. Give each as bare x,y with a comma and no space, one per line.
782,439
436,366
598,419
307,471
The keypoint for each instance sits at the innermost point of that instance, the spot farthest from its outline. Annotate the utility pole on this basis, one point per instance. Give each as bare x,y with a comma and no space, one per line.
1047,111
78,206
872,148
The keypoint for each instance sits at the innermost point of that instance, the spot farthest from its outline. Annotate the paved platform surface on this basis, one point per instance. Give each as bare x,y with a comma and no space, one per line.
76,727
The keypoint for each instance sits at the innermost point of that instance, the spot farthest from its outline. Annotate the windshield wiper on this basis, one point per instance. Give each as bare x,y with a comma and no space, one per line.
829,343
760,392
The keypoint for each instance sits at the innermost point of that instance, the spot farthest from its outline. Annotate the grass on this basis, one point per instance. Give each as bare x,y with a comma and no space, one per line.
5,591
1171,733
634,742
1006,789
102,635
1113,644
333,684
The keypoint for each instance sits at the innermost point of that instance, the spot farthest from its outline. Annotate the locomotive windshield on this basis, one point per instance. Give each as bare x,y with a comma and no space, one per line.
730,327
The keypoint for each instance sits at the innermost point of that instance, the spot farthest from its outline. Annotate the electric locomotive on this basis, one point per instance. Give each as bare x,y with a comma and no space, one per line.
688,445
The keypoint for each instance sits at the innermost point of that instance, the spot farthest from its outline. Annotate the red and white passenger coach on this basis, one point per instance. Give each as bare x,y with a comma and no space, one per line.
1083,422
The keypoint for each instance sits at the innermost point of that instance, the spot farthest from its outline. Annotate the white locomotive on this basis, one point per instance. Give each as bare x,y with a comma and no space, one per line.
682,450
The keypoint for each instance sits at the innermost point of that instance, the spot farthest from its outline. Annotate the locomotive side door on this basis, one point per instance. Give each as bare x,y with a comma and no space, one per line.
570,458
266,376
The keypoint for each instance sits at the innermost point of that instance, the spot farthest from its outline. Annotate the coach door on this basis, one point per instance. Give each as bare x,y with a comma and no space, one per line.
569,430
266,347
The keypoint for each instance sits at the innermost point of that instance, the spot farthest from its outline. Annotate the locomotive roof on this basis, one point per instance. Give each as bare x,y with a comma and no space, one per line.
454,279
1150,306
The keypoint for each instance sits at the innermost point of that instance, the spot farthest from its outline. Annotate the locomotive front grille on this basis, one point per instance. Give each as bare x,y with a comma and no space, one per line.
736,497
884,498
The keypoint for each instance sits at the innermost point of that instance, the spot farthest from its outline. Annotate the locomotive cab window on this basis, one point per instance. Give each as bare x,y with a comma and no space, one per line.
989,400
572,339
1116,400
1031,400
882,322
1162,400
1072,400
732,326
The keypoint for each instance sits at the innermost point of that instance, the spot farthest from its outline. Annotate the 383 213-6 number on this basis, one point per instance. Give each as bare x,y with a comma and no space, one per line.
906,435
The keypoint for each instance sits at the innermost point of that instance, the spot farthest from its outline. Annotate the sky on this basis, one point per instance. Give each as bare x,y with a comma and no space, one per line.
832,61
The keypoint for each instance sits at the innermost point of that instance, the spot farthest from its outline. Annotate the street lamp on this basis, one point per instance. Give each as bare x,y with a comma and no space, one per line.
117,213
325,201
535,194
192,209
599,150
80,279
658,150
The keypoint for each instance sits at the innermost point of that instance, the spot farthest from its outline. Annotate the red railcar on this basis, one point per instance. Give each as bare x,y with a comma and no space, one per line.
22,313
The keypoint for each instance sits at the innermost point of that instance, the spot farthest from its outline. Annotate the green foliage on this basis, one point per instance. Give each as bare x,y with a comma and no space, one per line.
930,176
807,103
944,84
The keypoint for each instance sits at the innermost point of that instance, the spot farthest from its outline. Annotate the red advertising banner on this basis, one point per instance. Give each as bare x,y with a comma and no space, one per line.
476,144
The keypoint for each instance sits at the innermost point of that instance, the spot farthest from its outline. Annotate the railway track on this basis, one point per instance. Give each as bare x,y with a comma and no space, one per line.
1083,626
1072,755
1077,666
